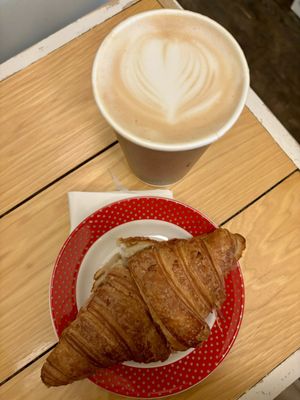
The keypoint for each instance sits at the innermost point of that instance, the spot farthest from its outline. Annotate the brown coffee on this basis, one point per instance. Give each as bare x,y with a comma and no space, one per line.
170,78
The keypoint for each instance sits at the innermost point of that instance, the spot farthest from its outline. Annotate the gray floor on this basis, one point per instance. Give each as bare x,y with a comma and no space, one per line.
291,393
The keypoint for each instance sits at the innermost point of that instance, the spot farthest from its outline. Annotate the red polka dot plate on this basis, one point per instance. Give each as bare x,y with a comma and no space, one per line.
93,242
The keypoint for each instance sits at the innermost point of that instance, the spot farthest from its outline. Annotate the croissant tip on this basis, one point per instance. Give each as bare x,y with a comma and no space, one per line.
240,245
241,239
44,380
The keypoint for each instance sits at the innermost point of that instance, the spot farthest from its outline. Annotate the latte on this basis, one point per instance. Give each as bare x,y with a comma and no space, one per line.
170,78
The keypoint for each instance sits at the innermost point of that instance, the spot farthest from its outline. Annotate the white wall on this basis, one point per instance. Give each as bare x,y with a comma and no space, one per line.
25,22
296,7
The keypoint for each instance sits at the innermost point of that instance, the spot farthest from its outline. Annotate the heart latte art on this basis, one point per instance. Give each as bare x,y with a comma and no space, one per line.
169,79
182,81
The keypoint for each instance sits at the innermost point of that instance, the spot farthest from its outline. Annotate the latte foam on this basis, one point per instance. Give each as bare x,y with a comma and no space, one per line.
170,77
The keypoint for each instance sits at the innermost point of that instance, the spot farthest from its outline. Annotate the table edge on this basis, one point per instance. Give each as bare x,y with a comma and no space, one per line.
276,381
275,128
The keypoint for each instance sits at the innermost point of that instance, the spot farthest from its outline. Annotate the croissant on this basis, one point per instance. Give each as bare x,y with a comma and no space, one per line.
146,304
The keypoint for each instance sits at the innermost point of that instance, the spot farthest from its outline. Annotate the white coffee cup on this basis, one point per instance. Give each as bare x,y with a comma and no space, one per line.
121,74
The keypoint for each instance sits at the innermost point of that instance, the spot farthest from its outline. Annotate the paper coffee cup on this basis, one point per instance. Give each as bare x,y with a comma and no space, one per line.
170,83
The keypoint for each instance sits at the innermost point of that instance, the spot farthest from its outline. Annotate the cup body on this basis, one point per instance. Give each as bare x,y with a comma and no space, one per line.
158,167
157,163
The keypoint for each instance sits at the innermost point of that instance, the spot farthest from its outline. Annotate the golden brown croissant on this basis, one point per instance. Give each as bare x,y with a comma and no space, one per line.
142,311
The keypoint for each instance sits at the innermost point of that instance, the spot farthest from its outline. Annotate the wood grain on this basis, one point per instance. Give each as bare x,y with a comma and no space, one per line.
271,323
233,172
49,120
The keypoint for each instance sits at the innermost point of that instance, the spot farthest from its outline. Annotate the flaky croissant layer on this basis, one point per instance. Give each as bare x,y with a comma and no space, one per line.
144,307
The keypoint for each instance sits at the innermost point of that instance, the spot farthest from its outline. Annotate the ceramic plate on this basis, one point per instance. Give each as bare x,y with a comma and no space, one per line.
93,242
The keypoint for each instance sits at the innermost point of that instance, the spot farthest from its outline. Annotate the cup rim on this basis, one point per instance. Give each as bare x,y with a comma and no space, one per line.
168,146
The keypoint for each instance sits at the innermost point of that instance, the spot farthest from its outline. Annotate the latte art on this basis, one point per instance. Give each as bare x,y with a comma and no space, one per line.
170,78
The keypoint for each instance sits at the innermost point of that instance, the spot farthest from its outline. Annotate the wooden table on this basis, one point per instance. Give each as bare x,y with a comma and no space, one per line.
54,140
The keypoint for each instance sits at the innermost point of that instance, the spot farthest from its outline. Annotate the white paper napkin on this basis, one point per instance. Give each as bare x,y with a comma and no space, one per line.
82,204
